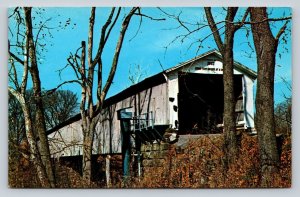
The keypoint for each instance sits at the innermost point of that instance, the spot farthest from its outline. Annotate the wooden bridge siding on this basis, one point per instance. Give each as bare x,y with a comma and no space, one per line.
67,141
152,99
172,94
248,101
156,99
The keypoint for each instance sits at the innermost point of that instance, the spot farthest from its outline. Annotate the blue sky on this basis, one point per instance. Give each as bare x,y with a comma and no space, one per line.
147,48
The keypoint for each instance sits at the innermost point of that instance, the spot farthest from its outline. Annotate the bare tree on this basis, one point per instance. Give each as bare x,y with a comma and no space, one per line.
226,50
86,77
19,91
283,117
24,49
37,91
225,46
266,47
59,106
16,126
136,74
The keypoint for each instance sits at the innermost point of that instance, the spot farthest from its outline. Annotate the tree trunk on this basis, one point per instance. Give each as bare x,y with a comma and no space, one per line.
40,125
33,147
35,155
89,111
226,49
87,159
266,47
107,171
87,150
230,141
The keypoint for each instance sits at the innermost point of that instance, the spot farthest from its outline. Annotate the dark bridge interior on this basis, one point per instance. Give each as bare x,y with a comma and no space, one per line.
201,102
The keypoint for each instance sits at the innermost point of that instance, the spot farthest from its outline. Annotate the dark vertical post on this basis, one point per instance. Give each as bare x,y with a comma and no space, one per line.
138,149
125,115
126,146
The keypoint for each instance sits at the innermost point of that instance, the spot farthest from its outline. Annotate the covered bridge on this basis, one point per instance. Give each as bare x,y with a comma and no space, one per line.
187,97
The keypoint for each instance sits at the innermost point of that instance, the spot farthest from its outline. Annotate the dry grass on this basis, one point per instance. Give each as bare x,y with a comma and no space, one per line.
199,165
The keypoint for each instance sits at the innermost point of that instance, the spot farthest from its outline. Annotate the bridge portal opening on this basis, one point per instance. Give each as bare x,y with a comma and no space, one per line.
201,102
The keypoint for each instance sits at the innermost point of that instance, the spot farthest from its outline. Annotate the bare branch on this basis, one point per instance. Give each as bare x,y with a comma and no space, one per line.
75,67
99,82
231,12
83,89
177,18
26,67
287,84
103,38
242,22
281,31
91,36
206,37
72,60
125,25
40,30
139,27
16,58
269,19
14,76
169,15
113,24
49,92
16,11
214,28
15,93
146,16
161,66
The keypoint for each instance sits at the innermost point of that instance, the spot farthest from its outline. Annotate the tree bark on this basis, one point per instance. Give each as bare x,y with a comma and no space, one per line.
87,159
226,49
266,47
33,147
88,149
107,171
230,144
40,124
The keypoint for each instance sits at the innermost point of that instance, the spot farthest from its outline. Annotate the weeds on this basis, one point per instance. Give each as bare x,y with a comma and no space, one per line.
199,165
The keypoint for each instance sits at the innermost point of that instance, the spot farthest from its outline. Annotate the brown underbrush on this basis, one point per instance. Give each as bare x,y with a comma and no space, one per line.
21,176
198,165
201,165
